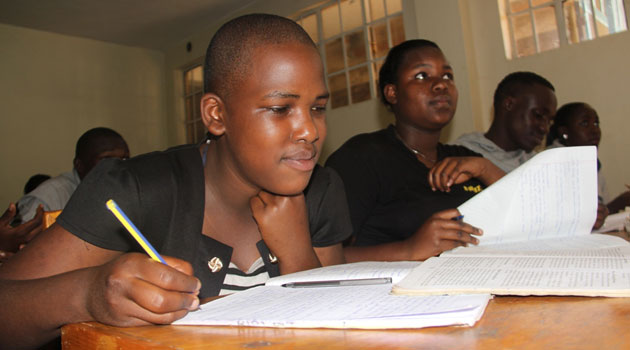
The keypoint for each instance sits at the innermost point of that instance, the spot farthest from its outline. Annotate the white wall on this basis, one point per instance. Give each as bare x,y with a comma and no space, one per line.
596,72
55,87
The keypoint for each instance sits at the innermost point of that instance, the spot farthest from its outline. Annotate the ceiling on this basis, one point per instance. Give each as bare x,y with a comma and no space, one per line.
153,24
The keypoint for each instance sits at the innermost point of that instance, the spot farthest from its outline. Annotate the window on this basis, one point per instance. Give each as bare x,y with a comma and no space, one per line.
533,26
354,37
193,91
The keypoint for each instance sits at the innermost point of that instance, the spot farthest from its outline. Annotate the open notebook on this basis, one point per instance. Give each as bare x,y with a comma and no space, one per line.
537,237
366,306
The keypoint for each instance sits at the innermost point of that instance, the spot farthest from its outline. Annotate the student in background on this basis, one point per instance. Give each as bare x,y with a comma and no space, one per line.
232,208
577,124
93,146
35,181
402,183
524,107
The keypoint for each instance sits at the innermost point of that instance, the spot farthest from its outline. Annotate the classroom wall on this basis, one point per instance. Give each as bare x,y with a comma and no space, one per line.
596,72
55,87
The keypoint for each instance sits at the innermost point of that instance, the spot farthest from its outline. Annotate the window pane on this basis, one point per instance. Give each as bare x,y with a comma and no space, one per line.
398,30
196,107
189,109
378,39
197,79
338,91
351,14
330,21
355,48
377,68
360,84
546,28
523,35
374,9
541,2
309,23
334,56
187,82
518,5
393,6
578,21
610,17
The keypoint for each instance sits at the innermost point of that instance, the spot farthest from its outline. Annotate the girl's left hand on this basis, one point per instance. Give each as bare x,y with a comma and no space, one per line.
283,225
456,170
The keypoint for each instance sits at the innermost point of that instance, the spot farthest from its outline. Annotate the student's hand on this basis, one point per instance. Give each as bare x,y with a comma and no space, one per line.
456,170
283,225
602,213
12,238
440,233
134,290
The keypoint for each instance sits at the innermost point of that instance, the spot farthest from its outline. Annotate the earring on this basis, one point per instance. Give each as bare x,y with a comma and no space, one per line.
565,136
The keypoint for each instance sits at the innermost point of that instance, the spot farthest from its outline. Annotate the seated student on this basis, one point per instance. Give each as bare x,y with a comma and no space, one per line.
94,145
232,207
577,124
401,187
524,106
35,181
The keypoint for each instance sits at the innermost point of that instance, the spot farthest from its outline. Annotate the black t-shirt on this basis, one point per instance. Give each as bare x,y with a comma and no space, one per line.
388,191
162,193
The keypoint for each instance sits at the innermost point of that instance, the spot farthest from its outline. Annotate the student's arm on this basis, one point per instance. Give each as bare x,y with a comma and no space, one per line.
439,233
283,225
11,238
619,203
456,170
59,279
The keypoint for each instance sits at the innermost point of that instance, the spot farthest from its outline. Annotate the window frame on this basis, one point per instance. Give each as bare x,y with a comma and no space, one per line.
370,63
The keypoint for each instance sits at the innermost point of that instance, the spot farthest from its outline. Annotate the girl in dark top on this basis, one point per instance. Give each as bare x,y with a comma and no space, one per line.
577,124
402,183
265,107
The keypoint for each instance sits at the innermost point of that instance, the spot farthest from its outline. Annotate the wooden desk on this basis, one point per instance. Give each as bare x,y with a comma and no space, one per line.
508,323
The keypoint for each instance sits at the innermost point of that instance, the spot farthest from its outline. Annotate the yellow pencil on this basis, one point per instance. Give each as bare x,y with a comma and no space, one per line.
124,220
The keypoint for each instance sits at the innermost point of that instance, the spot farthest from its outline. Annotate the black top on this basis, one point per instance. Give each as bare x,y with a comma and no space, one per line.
162,193
388,191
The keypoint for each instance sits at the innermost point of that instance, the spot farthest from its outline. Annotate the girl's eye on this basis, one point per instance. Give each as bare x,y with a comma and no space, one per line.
421,76
279,109
448,76
319,109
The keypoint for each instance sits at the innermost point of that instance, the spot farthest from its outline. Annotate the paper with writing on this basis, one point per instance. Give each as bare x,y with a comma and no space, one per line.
554,194
537,237
340,307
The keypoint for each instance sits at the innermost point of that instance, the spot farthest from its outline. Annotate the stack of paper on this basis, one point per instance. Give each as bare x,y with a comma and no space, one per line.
537,222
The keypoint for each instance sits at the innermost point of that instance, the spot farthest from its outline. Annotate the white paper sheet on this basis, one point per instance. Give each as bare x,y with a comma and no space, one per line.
337,307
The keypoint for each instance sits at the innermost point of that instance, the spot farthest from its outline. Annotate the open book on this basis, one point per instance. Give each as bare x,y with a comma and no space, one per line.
362,306
537,237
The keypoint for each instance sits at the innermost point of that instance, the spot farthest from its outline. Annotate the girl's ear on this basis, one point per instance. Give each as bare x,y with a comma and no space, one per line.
389,91
213,113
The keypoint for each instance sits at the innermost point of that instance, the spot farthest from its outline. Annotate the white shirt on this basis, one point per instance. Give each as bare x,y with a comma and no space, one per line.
53,194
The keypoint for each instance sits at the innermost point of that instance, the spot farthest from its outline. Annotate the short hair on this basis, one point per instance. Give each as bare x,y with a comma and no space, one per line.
228,56
97,140
563,116
389,70
514,82
35,181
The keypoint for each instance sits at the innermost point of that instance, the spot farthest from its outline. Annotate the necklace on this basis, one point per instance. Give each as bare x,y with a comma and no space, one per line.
415,151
